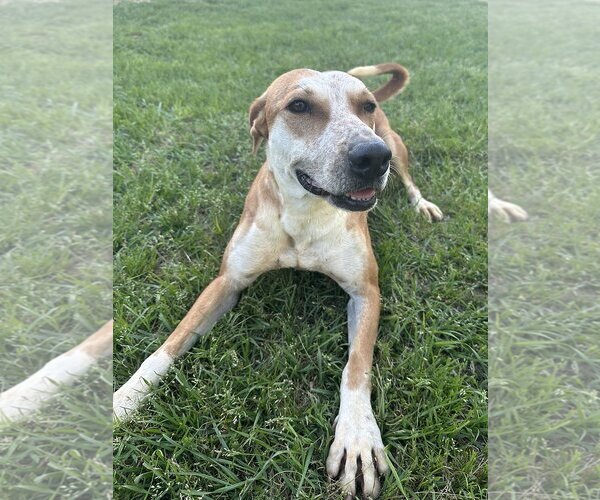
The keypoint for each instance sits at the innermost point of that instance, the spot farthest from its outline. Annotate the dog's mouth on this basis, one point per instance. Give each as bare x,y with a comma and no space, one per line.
355,201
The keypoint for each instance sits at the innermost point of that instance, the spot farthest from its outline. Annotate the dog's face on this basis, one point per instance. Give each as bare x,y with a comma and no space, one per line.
320,137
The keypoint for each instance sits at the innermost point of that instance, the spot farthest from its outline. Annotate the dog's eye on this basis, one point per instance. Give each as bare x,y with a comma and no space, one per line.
370,107
298,106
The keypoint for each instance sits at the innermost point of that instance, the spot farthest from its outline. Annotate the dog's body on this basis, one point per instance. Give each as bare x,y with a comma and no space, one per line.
329,147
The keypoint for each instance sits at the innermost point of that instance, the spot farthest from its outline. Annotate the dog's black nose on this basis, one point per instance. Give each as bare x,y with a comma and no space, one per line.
369,160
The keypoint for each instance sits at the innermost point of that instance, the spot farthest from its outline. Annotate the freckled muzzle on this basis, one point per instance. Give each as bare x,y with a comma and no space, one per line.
365,173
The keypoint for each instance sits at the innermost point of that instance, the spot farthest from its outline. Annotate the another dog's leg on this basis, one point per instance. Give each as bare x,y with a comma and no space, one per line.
216,299
23,399
400,162
357,435
508,211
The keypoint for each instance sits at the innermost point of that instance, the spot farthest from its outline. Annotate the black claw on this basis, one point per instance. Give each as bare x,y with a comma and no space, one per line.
360,484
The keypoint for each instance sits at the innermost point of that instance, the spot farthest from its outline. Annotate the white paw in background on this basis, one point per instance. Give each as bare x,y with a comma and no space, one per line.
509,212
429,210
357,436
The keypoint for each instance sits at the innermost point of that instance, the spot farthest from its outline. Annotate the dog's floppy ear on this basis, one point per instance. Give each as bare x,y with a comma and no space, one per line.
258,122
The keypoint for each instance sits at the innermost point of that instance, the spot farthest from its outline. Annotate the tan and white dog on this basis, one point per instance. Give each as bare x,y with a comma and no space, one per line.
329,152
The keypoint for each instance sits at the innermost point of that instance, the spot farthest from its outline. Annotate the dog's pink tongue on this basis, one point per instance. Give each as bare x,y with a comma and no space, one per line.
363,194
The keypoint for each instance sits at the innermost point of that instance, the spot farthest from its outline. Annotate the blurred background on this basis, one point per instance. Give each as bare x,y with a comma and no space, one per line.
55,238
544,274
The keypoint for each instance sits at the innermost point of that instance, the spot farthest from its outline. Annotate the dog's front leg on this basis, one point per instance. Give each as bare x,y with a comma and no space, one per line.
216,299
253,249
24,398
357,436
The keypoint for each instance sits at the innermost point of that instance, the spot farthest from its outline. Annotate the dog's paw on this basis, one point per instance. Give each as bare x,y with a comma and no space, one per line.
509,212
430,210
356,457
125,403
129,396
13,407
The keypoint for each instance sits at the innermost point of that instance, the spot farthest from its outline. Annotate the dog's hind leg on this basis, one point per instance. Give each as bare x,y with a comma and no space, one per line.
400,165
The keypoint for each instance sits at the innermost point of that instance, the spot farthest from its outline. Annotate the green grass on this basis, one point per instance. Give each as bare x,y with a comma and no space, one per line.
544,275
248,412
55,215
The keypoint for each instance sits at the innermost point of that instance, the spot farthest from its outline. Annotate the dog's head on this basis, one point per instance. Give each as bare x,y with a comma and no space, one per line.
320,133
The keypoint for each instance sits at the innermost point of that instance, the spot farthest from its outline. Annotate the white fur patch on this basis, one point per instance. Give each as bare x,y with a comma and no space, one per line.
131,394
430,210
362,71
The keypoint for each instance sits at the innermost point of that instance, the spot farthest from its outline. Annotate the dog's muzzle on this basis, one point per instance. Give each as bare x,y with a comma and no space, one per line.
368,162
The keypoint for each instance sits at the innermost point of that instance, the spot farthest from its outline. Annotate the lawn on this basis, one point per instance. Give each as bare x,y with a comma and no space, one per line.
248,412
55,241
545,275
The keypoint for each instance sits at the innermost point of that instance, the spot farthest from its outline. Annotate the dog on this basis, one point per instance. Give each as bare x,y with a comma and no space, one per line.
509,212
329,152
24,399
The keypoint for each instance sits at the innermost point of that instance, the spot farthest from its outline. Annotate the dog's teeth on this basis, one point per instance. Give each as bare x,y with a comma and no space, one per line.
362,195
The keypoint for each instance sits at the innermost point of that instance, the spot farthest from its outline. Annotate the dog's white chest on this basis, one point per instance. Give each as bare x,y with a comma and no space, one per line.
319,241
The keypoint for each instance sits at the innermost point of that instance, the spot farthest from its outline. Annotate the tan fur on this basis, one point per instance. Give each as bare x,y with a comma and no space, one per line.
261,115
177,342
99,344
399,152
309,126
360,357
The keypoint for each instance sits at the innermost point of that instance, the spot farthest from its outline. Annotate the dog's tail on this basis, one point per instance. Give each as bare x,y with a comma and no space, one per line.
399,80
